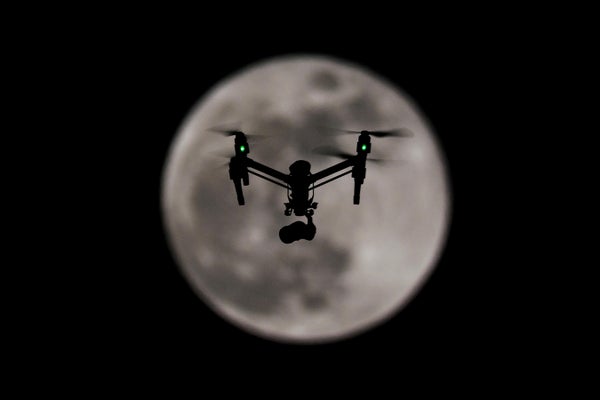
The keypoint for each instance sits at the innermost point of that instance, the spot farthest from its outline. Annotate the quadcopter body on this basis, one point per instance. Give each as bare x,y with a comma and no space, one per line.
300,182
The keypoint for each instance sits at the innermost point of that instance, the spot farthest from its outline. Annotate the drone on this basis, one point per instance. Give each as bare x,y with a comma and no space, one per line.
300,183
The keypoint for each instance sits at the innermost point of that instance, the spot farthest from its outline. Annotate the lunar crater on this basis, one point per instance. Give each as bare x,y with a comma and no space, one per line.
325,80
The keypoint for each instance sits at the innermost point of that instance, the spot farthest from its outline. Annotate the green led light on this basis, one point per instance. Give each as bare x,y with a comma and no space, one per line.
364,147
242,148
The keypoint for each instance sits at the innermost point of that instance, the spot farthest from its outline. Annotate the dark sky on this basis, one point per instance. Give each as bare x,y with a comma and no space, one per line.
129,93
455,308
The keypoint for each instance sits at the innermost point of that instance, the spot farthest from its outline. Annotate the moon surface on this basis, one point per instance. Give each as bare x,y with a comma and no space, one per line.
365,262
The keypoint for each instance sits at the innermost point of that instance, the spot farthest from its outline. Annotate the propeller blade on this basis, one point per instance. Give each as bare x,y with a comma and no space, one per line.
233,132
332,151
347,131
402,132
226,132
386,162
226,129
379,160
332,130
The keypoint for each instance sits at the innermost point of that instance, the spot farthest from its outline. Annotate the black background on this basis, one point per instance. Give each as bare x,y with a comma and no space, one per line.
97,94
129,90
457,311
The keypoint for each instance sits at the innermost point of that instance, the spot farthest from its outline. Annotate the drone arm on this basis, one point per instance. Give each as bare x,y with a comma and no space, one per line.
333,169
268,179
250,163
332,179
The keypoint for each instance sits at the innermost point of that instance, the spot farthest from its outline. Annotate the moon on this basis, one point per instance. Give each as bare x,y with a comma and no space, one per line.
365,262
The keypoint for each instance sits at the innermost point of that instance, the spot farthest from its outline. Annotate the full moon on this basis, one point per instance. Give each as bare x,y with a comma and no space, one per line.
365,262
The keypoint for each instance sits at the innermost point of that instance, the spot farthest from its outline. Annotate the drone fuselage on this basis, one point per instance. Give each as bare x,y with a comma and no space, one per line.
299,182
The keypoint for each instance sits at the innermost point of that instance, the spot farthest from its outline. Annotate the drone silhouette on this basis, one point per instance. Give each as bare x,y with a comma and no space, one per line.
300,183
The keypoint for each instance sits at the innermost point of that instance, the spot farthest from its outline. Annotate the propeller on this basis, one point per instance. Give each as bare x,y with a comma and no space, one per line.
233,132
380,160
401,132
226,132
332,151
